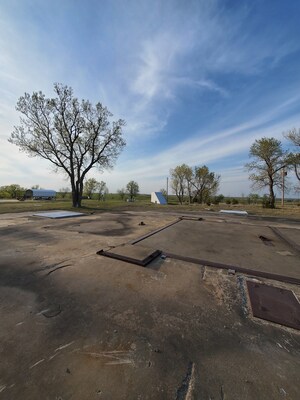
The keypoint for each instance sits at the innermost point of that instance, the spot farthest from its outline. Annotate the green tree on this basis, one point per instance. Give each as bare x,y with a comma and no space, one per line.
4,194
205,184
73,135
293,158
181,181
122,193
13,191
90,186
253,198
132,188
218,199
268,159
198,184
102,190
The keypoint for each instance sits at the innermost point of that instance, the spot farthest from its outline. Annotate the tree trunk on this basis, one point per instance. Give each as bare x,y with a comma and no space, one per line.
179,197
76,198
77,189
272,196
296,172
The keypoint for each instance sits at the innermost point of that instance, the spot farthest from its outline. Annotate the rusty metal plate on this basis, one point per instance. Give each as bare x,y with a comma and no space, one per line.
274,304
133,254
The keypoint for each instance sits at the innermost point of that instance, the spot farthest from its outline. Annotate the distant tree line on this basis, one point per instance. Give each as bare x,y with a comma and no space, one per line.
13,191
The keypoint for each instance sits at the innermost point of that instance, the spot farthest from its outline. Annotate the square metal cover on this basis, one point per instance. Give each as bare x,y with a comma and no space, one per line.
58,214
274,304
133,254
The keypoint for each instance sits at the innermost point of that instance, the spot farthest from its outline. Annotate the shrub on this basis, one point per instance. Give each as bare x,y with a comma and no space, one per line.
218,199
266,201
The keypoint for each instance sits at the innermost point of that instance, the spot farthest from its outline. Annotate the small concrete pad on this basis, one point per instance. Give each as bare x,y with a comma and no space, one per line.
133,254
274,304
58,214
233,212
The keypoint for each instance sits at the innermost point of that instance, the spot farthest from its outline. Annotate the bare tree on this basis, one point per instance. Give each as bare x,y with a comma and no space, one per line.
73,135
268,159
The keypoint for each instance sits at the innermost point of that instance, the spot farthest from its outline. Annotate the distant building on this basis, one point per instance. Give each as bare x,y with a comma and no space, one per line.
158,198
40,194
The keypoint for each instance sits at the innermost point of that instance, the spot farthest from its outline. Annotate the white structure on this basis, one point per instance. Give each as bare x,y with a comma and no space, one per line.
158,198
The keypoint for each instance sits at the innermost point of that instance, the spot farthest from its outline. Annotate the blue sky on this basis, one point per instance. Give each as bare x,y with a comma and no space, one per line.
196,81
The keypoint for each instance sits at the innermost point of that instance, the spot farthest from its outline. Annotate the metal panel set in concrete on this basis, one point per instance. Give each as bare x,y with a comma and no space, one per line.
259,251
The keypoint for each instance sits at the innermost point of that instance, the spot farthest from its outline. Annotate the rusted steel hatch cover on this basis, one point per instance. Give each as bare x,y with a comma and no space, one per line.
274,304
133,254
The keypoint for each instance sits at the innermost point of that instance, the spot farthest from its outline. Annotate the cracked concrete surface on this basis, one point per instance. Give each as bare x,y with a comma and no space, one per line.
75,325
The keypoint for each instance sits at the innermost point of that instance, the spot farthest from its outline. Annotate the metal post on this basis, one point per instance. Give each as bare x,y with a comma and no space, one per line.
167,188
283,174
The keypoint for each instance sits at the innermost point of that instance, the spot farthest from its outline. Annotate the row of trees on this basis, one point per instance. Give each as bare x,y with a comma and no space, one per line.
13,191
267,169
270,163
196,184
92,186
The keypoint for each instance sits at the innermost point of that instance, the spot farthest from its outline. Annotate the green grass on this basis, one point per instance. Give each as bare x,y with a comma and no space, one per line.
114,203
61,204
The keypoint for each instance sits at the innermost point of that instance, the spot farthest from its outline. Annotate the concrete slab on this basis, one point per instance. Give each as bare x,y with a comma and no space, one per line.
291,236
78,326
229,243
133,254
58,214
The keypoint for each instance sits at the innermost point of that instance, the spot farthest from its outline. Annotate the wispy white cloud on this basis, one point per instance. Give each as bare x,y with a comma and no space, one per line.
154,60
212,149
204,84
187,51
